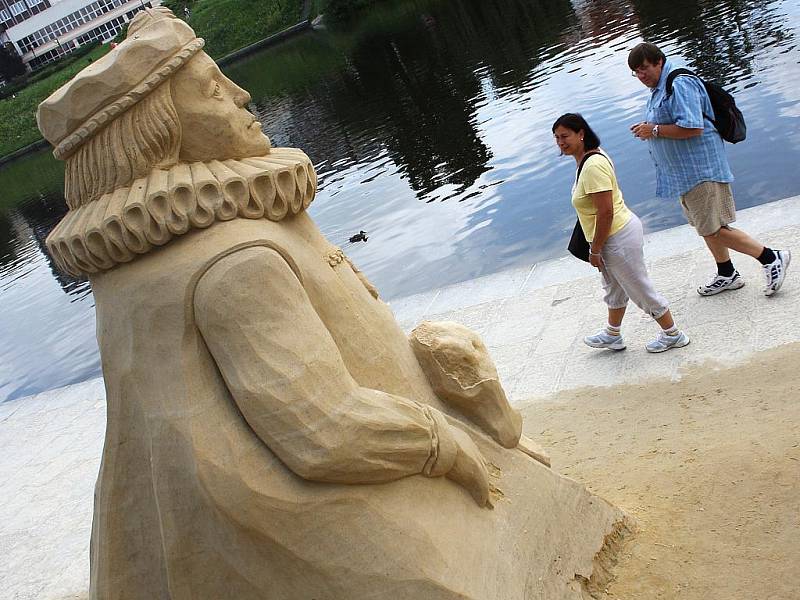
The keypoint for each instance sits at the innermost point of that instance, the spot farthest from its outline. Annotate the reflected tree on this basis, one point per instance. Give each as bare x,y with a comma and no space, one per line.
41,215
8,244
718,39
410,83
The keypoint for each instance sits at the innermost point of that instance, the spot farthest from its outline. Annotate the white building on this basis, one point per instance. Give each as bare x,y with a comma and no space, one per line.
43,30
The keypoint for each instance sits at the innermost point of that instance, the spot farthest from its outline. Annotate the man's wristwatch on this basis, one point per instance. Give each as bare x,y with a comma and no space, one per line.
655,131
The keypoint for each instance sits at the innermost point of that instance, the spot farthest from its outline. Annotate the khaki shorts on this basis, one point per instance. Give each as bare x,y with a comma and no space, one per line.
709,206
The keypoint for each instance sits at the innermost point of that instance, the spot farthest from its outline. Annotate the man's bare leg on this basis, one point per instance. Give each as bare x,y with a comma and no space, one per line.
718,250
738,240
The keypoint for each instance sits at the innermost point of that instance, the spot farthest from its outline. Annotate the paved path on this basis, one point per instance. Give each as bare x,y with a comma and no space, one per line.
533,319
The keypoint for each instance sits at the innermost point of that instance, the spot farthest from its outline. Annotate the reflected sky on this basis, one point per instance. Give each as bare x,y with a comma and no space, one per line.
429,124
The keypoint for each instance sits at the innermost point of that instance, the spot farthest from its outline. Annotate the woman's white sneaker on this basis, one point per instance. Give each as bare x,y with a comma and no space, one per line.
603,339
664,342
718,283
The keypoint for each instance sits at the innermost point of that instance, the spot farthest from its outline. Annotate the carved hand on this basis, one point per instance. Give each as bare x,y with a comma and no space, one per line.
469,470
462,374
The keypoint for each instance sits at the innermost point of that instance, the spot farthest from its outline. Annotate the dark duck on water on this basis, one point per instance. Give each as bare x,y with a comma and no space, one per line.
361,236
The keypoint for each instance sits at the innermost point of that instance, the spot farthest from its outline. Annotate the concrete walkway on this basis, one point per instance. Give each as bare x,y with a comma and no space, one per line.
533,320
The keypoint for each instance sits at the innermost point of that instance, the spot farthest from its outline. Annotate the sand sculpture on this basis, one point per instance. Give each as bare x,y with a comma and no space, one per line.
272,433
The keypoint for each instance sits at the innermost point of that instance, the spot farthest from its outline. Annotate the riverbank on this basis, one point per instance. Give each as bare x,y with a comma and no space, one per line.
699,444
228,25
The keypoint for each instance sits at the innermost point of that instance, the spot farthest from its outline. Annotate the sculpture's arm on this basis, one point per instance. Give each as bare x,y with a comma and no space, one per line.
287,377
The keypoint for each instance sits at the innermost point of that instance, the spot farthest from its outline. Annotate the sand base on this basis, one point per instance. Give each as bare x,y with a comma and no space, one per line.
709,467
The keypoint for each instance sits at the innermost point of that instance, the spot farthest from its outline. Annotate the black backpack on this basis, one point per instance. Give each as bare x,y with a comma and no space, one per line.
728,119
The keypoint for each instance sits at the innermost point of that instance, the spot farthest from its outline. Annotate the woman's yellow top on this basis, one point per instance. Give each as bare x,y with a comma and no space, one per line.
598,175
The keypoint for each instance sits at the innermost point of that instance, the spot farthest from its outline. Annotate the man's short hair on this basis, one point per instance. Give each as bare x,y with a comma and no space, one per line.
645,52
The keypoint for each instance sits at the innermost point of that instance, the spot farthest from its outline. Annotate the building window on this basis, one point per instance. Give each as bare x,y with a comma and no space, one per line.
18,8
4,15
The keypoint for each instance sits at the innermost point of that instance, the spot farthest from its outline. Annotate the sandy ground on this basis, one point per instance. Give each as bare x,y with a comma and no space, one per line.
708,466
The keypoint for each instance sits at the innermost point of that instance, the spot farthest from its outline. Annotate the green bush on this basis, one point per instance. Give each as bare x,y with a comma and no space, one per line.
11,65
177,6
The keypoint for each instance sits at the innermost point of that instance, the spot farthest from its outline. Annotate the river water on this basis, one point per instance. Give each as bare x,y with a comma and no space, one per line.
429,124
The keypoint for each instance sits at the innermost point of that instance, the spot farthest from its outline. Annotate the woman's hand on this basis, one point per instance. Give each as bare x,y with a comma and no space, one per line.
596,260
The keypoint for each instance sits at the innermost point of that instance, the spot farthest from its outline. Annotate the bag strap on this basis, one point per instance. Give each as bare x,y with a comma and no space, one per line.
585,158
677,73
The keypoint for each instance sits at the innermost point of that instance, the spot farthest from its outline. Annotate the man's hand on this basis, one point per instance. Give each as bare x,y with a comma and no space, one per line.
643,131
596,261
469,470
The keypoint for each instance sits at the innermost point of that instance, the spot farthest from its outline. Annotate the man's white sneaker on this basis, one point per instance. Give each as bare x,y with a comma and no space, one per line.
603,339
776,271
719,283
664,342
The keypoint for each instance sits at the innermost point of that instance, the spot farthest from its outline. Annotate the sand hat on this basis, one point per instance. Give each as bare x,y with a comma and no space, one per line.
158,44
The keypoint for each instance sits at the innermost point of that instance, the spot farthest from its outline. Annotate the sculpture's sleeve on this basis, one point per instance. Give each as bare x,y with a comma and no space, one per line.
287,377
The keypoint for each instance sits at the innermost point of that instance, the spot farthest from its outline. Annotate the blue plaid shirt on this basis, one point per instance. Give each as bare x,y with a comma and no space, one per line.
683,164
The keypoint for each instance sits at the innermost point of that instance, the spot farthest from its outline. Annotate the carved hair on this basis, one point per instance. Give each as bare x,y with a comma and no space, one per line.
145,136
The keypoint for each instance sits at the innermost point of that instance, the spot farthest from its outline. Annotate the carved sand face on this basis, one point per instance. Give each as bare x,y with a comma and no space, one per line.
211,111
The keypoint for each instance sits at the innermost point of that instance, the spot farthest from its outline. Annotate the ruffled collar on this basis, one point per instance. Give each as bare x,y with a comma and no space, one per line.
167,203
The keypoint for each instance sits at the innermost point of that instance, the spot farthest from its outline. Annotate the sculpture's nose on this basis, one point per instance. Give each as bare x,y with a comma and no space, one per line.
241,96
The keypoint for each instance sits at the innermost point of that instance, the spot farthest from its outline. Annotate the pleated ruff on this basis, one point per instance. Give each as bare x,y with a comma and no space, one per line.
167,203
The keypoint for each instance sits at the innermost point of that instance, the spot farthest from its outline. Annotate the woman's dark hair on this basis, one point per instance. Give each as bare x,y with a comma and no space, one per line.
576,123
645,52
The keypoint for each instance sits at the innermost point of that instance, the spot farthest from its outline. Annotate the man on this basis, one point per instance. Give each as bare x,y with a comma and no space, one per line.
691,163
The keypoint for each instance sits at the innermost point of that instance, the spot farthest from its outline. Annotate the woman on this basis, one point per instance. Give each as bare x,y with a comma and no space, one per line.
616,239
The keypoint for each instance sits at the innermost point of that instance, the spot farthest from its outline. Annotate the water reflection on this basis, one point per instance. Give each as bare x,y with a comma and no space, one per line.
720,40
46,317
429,123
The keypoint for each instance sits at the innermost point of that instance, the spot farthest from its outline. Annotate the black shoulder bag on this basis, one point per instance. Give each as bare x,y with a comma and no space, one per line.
578,246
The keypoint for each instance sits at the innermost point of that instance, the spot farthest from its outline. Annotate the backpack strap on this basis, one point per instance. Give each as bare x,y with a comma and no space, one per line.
677,73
